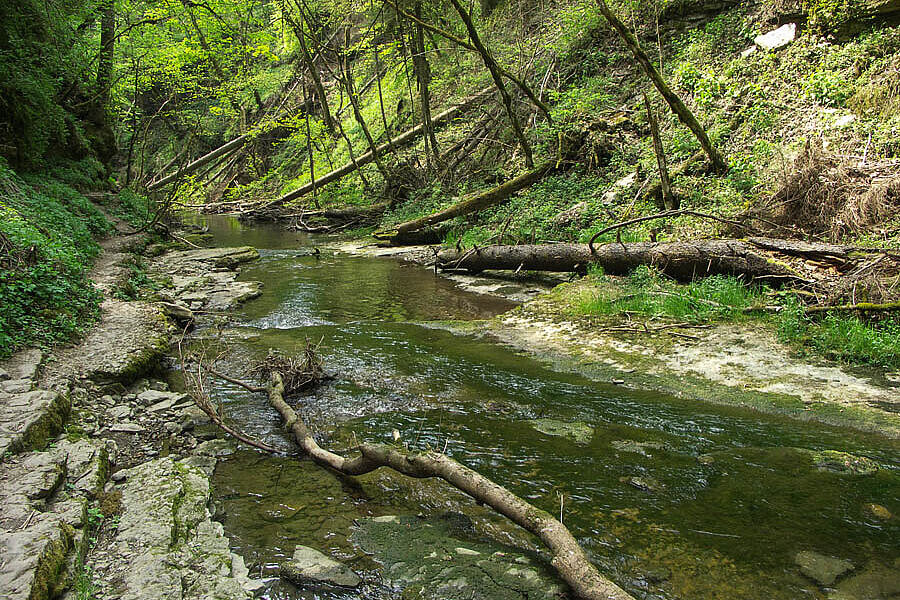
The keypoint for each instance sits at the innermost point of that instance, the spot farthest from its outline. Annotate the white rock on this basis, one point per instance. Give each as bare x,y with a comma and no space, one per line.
779,38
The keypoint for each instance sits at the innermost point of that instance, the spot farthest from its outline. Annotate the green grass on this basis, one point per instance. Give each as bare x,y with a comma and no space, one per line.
649,294
839,336
844,338
47,242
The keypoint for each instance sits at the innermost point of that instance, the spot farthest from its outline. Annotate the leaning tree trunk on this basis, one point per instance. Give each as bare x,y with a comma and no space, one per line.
107,46
404,138
497,76
674,101
484,200
683,261
569,559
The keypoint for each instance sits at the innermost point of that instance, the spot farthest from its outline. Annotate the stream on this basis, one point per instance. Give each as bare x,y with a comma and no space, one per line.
673,498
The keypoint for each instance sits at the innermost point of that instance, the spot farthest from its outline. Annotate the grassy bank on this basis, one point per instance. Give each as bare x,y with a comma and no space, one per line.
646,295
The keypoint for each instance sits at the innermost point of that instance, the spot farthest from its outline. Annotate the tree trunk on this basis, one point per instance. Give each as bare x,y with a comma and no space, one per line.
423,78
683,261
541,105
569,559
203,160
366,158
314,75
674,101
107,46
484,200
665,186
496,75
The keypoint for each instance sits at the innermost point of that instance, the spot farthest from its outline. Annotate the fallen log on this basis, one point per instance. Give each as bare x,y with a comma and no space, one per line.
404,138
203,160
569,559
683,261
492,197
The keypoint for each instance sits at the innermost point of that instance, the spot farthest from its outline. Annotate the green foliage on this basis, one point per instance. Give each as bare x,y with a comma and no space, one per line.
43,55
843,337
45,251
135,208
137,282
827,87
838,336
646,292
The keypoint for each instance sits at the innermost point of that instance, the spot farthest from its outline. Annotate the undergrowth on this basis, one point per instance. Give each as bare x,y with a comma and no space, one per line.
47,242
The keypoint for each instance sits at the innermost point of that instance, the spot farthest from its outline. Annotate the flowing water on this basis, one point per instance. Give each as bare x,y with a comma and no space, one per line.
673,498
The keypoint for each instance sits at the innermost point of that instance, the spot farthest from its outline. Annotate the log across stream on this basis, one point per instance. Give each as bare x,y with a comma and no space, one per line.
670,496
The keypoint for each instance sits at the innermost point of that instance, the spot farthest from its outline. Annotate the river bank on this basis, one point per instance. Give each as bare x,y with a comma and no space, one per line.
738,364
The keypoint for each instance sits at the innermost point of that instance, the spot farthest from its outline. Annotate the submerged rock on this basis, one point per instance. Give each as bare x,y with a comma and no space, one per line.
428,559
578,431
822,569
308,565
877,511
843,462
637,447
877,582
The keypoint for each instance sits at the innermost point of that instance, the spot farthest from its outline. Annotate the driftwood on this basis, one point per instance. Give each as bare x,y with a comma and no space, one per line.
569,559
483,200
404,138
683,261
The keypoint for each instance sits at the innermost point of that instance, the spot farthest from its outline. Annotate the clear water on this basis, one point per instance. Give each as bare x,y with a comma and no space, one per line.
734,501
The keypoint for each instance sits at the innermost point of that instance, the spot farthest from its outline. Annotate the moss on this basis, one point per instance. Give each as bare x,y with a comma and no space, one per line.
52,563
110,503
50,423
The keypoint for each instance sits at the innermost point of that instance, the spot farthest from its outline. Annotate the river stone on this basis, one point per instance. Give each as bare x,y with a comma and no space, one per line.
878,581
308,565
878,511
120,412
430,559
822,569
637,447
578,431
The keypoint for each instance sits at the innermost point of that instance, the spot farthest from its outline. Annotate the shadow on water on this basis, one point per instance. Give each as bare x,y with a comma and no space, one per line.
674,498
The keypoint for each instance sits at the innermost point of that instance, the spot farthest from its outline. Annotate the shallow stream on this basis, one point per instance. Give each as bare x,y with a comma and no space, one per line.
674,498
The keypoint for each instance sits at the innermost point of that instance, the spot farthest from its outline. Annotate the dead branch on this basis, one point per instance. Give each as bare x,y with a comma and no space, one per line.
569,559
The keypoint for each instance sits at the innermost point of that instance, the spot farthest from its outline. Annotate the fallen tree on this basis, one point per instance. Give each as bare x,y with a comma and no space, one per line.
492,197
569,559
404,138
285,375
189,168
683,261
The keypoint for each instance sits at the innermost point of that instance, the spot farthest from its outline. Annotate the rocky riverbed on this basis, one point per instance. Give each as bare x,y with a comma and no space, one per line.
105,473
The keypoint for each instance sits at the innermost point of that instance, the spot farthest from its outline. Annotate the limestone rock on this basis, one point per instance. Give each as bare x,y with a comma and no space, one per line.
308,565
166,545
778,38
822,569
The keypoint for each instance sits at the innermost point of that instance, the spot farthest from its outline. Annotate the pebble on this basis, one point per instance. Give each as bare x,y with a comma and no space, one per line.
118,476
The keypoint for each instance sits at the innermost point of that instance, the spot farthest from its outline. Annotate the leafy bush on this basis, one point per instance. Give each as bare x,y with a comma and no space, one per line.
45,251
827,87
